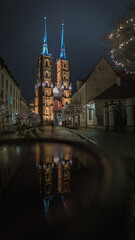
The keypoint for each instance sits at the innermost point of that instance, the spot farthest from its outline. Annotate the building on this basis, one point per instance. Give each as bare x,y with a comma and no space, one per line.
48,100
23,105
9,95
32,106
108,97
44,86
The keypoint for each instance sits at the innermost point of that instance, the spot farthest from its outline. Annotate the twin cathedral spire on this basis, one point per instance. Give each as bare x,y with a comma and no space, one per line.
50,100
45,45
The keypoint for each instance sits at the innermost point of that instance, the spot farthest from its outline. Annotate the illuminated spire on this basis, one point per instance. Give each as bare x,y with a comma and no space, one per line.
45,46
62,50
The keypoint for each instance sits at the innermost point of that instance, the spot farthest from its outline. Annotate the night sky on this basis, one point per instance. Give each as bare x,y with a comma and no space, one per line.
22,29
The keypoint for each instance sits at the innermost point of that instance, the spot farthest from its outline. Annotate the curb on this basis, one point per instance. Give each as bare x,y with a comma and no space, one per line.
82,136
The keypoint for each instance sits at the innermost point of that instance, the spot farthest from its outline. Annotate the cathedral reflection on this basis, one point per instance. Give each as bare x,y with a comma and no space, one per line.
54,169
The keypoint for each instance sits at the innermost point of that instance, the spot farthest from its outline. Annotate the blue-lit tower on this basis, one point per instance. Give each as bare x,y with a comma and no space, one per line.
63,73
44,85
45,46
62,50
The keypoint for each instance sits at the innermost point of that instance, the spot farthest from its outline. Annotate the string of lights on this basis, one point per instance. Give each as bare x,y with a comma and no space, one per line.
122,40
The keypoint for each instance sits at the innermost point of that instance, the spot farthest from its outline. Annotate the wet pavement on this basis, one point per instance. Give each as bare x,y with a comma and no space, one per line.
60,191
122,147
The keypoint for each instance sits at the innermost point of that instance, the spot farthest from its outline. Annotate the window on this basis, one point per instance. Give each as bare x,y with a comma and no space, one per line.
13,103
46,74
46,111
46,63
82,96
10,89
11,100
46,84
64,65
2,94
90,114
6,97
13,92
46,93
7,84
64,75
2,80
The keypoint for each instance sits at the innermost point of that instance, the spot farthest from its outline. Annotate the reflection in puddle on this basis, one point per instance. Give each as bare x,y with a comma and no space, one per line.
54,167
61,190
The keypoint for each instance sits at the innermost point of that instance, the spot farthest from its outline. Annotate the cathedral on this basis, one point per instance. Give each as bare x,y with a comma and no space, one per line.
49,100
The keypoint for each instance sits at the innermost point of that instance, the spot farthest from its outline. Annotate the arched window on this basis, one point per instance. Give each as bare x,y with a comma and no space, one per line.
46,74
46,84
46,111
46,63
64,75
46,93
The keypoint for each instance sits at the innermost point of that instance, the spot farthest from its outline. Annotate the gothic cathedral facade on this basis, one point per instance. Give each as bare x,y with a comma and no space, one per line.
49,100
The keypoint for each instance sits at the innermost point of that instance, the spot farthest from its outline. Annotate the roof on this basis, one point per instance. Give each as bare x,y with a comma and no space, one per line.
126,90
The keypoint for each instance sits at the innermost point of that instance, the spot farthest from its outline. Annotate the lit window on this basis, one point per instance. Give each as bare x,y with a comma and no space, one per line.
46,110
46,84
6,97
11,100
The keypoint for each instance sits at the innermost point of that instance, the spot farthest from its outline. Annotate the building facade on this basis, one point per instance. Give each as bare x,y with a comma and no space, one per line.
23,105
44,86
108,97
9,97
48,100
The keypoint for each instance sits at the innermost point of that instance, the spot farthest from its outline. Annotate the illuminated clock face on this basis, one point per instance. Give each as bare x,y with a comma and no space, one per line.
102,67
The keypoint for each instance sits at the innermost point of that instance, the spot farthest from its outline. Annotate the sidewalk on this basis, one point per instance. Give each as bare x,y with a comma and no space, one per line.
59,133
